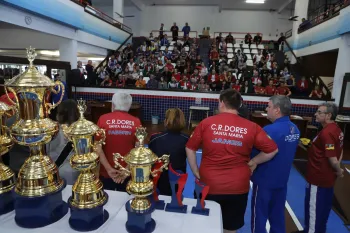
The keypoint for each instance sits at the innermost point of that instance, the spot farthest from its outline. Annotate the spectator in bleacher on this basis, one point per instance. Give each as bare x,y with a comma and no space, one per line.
167,74
202,86
106,82
283,89
167,54
257,57
170,66
162,84
175,32
187,42
303,86
128,51
193,54
257,39
316,93
149,69
120,81
173,84
197,63
161,31
256,78
164,41
270,89
214,57
186,30
305,24
248,39
266,53
203,70
258,89
213,77
237,85
135,73
290,83
218,39
175,55
140,83
246,88
131,64
229,39
152,82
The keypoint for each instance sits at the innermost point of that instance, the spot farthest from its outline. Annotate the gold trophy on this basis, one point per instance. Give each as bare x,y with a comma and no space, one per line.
38,196
88,198
139,165
7,177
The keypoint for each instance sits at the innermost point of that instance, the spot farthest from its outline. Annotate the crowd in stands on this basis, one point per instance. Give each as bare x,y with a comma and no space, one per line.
170,63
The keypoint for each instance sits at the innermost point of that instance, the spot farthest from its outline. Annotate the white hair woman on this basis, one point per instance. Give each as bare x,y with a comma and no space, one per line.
120,128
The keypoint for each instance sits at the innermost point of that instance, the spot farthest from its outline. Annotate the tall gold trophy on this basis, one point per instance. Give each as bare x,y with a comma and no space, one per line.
38,196
88,198
7,177
140,161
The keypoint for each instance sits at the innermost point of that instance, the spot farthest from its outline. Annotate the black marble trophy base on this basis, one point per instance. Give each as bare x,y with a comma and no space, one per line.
87,219
6,202
34,212
139,222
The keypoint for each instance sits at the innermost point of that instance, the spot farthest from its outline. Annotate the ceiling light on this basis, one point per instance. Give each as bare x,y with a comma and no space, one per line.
49,52
255,1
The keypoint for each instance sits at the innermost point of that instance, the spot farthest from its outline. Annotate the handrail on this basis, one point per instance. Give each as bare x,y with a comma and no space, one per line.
244,33
316,80
156,32
291,50
107,57
320,17
99,14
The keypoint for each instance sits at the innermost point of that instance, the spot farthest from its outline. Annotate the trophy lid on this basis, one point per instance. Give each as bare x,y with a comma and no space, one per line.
82,126
31,77
140,155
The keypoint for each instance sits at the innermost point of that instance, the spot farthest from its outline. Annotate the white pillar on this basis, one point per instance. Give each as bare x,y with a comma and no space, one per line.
118,6
342,68
69,52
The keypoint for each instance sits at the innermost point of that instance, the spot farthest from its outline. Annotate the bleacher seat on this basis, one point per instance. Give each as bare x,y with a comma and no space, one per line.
230,50
146,79
237,45
254,51
187,48
239,76
260,46
229,45
171,48
250,63
230,55
162,48
172,42
253,46
246,51
229,61
245,46
249,56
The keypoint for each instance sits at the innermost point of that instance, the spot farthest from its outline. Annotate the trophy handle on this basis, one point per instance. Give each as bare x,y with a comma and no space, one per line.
102,133
16,104
64,130
117,165
165,159
52,106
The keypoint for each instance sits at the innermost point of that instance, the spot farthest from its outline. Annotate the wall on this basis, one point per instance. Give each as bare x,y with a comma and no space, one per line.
321,64
206,16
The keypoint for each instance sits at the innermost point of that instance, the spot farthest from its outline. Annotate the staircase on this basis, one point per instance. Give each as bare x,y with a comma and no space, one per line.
204,49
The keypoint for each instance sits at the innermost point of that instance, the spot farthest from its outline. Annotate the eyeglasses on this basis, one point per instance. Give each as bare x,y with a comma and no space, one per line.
320,112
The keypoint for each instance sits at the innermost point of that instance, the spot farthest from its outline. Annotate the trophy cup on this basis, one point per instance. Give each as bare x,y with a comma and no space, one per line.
7,177
139,163
158,204
88,198
177,183
202,191
38,190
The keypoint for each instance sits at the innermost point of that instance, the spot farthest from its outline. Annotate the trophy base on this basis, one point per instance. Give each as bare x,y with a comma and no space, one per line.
200,211
87,219
6,203
34,212
158,205
139,222
176,208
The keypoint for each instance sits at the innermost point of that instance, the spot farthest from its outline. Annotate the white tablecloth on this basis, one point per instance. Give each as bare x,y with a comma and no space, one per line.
118,216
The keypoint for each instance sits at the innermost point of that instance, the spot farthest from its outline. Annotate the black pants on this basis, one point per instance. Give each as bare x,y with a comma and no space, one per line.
109,184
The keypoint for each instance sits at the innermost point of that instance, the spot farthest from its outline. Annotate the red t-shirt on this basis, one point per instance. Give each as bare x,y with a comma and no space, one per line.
120,130
328,143
270,90
236,87
283,90
259,89
227,141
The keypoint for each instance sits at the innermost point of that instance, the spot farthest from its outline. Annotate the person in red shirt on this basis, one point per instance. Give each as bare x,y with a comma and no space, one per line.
283,90
236,86
316,93
213,77
259,89
323,168
270,89
120,128
302,85
227,141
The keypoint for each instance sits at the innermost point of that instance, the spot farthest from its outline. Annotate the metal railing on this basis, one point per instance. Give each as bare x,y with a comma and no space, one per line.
321,16
192,34
99,14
